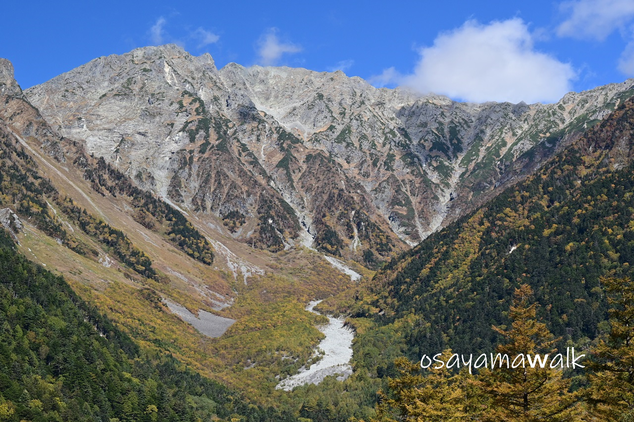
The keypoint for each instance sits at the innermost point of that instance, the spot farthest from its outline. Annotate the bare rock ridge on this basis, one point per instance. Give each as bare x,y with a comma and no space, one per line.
286,156
8,84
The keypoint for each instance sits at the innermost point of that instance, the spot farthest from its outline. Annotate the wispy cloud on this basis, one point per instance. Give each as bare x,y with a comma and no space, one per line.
388,78
626,62
204,37
157,31
494,62
271,49
343,65
159,34
595,19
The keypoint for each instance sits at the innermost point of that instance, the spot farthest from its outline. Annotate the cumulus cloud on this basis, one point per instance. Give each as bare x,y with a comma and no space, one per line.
494,62
343,65
595,19
204,37
156,31
271,49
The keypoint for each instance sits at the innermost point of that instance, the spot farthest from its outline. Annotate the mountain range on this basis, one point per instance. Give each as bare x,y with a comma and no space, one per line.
316,159
165,190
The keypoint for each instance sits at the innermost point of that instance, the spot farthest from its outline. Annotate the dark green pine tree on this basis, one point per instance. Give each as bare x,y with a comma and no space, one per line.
524,393
611,391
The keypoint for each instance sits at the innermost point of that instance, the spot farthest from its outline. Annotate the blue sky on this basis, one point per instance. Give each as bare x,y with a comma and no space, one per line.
470,50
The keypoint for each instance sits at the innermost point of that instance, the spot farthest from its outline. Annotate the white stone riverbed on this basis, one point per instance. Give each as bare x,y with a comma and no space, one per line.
337,353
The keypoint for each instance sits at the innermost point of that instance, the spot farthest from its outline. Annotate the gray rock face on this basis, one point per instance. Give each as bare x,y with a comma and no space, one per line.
8,85
11,222
286,156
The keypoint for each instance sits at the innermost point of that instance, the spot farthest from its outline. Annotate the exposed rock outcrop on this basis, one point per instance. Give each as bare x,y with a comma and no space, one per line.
8,85
11,222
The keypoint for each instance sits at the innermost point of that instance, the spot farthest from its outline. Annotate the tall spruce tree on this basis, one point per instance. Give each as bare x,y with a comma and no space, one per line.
437,395
611,392
525,393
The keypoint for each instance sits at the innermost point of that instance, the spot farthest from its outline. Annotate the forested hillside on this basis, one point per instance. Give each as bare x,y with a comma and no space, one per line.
60,360
559,231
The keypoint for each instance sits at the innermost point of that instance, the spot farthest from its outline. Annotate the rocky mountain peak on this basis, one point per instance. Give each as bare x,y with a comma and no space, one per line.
287,155
167,52
152,53
8,84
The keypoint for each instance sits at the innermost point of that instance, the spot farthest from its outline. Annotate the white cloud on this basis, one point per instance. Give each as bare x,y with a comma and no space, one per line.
271,48
156,31
389,77
494,62
626,62
204,37
595,19
343,65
